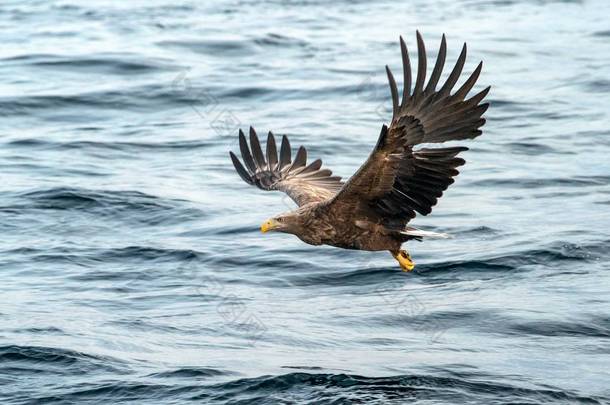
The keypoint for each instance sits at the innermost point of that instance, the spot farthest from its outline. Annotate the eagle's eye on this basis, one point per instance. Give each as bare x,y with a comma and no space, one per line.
280,219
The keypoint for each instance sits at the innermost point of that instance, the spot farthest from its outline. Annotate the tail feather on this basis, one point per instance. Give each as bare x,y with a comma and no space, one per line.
420,233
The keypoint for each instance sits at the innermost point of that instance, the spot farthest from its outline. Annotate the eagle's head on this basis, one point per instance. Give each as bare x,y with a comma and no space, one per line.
287,222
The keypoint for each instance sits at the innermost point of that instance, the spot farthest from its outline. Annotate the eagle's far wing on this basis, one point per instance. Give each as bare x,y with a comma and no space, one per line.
397,181
303,183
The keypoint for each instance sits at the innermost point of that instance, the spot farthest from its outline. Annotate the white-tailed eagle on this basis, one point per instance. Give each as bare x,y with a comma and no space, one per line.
371,210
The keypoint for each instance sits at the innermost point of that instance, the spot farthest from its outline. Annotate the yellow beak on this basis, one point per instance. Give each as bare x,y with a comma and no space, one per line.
268,225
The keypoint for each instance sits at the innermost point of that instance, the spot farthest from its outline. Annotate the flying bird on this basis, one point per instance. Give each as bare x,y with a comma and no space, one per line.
371,210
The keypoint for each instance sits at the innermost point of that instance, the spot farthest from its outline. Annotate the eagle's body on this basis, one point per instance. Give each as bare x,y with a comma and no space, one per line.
371,210
321,225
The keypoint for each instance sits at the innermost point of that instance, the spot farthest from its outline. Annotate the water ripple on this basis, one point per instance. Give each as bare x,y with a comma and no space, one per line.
131,265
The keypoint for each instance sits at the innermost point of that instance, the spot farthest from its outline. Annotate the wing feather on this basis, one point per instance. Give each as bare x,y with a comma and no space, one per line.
257,151
241,170
421,65
300,159
438,67
245,153
271,152
398,181
285,153
393,90
406,70
303,183
455,74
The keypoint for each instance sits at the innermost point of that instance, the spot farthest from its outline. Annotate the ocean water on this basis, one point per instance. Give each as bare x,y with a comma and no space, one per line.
132,268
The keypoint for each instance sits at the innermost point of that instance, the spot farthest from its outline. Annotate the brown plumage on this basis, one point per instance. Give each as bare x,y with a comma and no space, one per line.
371,210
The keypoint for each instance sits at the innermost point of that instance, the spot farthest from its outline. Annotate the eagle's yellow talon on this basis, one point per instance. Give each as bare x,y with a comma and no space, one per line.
404,259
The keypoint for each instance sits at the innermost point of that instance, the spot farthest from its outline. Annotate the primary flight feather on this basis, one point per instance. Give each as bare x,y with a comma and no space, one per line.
372,209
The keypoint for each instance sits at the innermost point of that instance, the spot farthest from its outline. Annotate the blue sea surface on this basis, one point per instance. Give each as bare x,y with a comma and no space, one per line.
132,268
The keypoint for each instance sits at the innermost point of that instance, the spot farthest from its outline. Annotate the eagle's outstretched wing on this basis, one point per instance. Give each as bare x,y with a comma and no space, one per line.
396,181
303,183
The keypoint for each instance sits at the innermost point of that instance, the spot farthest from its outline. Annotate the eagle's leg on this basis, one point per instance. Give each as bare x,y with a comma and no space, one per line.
404,259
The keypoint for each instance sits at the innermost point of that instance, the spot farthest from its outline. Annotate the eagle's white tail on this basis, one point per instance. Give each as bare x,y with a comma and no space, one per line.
419,233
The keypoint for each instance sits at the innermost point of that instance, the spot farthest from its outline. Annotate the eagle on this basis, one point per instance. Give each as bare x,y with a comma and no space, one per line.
370,211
